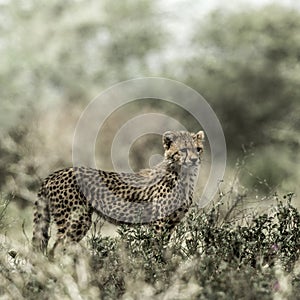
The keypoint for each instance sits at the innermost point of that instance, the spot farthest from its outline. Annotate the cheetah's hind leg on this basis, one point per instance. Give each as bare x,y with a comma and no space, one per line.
73,229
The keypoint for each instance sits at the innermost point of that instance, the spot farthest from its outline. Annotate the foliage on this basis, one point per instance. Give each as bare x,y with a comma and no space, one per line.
55,57
246,62
86,48
3,209
209,256
250,73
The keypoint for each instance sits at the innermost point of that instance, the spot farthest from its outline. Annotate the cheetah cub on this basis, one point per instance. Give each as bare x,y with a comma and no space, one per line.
160,196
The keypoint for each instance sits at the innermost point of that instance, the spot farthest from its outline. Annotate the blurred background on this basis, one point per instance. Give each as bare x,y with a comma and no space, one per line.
242,57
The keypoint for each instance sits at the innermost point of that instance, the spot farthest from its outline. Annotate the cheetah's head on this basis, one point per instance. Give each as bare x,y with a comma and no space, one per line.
183,148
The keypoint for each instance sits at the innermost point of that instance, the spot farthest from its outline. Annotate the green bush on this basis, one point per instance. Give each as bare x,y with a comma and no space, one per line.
211,255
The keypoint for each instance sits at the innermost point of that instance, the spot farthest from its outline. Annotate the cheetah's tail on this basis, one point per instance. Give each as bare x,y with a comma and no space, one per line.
41,223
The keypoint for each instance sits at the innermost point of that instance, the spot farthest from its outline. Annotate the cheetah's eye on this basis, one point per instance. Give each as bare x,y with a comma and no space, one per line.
184,150
199,149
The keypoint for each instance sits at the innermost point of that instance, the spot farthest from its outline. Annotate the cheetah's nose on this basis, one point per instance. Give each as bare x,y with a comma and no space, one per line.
194,160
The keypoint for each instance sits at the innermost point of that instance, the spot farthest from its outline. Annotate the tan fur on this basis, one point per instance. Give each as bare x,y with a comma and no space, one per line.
159,196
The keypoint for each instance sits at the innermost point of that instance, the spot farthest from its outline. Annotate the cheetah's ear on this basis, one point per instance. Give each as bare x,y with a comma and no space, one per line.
168,138
199,135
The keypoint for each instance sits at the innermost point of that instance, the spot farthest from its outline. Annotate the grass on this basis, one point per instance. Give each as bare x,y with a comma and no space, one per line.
212,255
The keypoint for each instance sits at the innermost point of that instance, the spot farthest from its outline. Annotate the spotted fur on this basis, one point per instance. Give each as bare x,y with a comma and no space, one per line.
159,196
